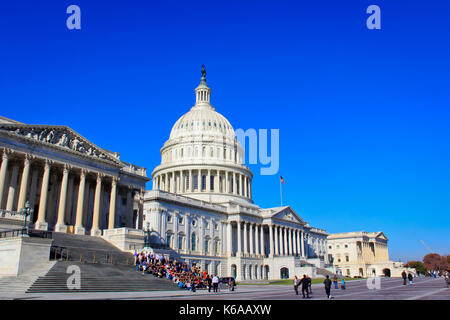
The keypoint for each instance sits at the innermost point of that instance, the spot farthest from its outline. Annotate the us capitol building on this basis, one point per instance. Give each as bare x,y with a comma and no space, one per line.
201,205
200,209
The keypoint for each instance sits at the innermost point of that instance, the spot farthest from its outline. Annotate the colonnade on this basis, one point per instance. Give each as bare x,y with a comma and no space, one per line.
38,176
204,180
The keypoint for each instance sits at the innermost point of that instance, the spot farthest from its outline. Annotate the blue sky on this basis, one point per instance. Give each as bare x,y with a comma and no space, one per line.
363,114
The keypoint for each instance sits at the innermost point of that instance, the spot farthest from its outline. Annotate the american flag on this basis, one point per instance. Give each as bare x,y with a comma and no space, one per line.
282,180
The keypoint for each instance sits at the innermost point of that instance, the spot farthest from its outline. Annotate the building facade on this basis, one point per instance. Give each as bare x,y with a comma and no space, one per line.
71,184
362,254
201,206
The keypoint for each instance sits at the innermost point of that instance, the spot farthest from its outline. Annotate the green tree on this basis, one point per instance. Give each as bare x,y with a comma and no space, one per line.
418,265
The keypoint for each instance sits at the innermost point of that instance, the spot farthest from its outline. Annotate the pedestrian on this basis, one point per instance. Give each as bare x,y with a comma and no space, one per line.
335,281
215,283
410,278
309,284
327,283
209,281
404,277
296,283
231,285
305,283
342,283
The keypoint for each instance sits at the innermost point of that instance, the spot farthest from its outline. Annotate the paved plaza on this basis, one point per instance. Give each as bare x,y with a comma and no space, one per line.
391,289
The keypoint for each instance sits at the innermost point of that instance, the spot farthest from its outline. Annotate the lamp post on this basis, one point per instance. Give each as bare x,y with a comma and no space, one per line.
147,238
26,211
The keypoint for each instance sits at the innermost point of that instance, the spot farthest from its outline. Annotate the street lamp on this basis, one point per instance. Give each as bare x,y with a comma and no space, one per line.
27,211
147,238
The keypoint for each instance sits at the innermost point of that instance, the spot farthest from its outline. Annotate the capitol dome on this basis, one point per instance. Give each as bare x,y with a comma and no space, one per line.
202,157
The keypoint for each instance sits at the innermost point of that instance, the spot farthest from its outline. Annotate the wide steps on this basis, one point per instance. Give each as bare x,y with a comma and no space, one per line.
99,278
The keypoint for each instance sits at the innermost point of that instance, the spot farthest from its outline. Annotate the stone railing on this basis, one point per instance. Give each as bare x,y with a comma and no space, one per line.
185,200
14,215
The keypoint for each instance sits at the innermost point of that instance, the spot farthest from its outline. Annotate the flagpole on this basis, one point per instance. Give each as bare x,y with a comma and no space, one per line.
281,193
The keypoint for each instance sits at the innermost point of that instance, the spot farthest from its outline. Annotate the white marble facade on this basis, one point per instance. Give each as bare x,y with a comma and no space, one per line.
201,205
72,185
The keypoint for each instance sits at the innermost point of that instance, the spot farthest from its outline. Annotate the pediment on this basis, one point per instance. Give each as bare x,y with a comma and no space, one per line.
289,215
381,235
61,137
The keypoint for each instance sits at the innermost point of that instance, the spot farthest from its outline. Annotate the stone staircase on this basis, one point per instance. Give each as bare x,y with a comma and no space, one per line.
19,284
99,278
90,249
324,272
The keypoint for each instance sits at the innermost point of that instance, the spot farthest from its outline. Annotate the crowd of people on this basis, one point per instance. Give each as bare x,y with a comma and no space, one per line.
189,278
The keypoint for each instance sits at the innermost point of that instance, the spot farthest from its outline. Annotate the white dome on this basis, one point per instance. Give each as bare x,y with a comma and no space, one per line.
202,157
202,120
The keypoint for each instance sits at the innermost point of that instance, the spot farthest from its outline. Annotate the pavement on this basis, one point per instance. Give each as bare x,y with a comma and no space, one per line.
389,289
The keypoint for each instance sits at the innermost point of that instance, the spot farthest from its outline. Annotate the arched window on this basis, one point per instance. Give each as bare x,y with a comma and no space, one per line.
180,242
193,242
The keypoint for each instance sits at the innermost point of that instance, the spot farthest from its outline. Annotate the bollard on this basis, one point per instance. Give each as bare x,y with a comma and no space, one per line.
67,256
94,258
81,258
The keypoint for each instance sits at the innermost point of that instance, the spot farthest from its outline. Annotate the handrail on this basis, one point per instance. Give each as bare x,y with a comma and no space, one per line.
88,256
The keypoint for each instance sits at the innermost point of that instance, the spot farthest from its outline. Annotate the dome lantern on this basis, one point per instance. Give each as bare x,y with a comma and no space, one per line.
203,92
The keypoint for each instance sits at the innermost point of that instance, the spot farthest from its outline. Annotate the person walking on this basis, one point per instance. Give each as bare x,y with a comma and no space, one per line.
342,283
215,283
410,278
309,284
404,277
209,282
335,281
327,283
296,283
305,283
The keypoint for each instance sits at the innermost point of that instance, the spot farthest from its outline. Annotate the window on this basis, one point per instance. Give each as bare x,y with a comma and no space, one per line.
169,218
346,259
216,226
180,220
193,242
216,249
180,242
194,222
346,246
203,182
169,240
329,247
337,246
206,245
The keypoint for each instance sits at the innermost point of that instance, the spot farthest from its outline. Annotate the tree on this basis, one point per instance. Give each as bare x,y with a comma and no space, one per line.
418,265
434,261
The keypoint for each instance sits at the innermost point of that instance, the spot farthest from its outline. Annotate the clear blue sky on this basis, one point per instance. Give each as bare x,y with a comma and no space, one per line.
363,114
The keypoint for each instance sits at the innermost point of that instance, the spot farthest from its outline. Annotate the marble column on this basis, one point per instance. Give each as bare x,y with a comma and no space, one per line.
277,245
79,229
95,230
112,203
252,251
191,181
12,187
245,236
227,182
271,241
229,239
199,181
261,234
3,171
33,188
285,246
41,223
302,238
24,183
60,223
297,248
234,184
239,239
257,252
291,240
187,223
208,181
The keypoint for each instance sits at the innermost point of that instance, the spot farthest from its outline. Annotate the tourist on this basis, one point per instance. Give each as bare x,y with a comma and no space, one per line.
305,284
296,283
327,283
404,277
215,283
209,282
231,285
410,278
309,284
335,281
342,283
